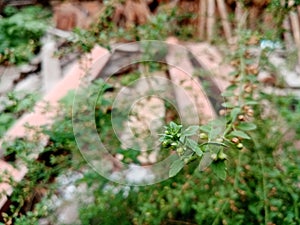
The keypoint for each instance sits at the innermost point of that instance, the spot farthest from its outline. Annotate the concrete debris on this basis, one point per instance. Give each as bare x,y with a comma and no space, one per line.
7,79
51,71
28,68
29,84
291,77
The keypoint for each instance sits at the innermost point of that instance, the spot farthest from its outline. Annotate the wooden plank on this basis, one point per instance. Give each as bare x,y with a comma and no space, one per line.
287,33
202,18
224,18
295,25
210,19
238,13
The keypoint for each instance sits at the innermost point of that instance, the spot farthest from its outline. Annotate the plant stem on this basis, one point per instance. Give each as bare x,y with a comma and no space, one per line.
264,188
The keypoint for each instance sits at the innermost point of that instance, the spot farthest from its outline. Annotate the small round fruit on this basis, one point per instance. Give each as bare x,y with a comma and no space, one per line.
240,145
222,156
235,140
174,144
165,143
241,117
180,150
203,136
250,112
214,156
186,160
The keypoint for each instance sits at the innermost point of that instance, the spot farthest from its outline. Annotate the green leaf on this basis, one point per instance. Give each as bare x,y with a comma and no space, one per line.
206,128
214,128
175,167
205,161
227,93
173,125
240,134
234,73
251,103
234,113
246,126
219,168
227,105
192,130
194,146
231,87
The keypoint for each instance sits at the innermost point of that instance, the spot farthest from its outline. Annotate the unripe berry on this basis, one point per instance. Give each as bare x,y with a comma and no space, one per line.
214,156
180,150
222,156
174,144
186,160
203,136
165,143
240,145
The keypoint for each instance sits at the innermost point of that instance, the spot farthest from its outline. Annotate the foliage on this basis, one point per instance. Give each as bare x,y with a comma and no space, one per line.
243,173
20,33
105,31
14,107
263,171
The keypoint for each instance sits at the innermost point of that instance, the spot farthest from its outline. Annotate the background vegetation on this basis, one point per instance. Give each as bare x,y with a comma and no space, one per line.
261,184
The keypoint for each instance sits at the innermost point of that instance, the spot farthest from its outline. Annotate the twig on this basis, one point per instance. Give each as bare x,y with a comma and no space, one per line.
296,30
224,17
238,12
210,19
287,32
202,18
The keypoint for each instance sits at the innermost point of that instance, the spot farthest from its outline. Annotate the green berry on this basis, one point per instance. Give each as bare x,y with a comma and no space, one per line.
186,160
203,136
174,144
222,156
240,145
214,156
165,143
180,150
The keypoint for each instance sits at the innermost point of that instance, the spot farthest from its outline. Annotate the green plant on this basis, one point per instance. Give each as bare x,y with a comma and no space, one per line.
15,105
262,168
258,167
20,33
158,27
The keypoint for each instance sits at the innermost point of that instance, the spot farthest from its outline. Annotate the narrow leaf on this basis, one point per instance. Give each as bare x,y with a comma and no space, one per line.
194,146
192,130
205,161
251,103
227,105
219,168
227,93
246,126
175,167
240,134
234,113
234,73
205,128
